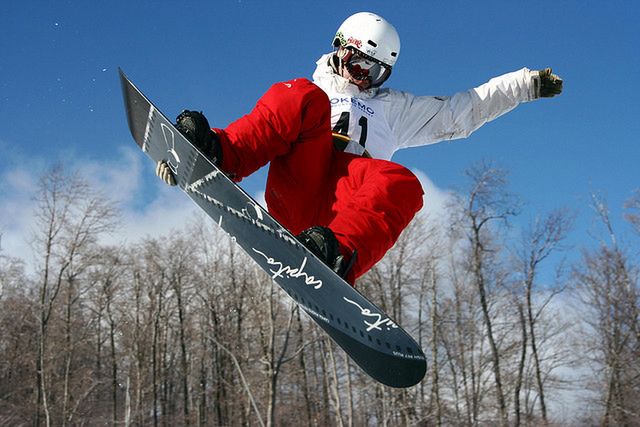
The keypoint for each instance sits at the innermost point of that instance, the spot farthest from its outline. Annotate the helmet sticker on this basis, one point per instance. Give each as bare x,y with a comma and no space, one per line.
341,38
357,43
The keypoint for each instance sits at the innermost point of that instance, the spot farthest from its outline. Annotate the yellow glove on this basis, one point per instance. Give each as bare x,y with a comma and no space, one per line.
164,172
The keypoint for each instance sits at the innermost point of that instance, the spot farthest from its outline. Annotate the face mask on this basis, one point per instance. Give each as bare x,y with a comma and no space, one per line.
362,67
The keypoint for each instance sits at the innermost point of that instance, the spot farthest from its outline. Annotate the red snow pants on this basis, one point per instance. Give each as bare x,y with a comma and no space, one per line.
365,202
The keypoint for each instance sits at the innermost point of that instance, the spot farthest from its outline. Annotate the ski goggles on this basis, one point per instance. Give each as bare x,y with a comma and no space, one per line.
364,67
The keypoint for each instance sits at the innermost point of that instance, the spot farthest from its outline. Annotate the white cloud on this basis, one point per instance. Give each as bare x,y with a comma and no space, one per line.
119,180
169,210
260,198
436,200
146,210
16,211
148,207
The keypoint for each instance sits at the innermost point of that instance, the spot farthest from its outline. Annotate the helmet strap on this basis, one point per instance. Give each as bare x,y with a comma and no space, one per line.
337,60
335,63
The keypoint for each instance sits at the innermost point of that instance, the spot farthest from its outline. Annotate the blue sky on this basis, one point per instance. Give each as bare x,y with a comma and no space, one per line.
60,98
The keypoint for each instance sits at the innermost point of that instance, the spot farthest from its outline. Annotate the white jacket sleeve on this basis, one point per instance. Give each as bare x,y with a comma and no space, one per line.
422,120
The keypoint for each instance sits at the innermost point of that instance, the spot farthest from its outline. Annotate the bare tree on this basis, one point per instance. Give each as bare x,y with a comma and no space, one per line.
182,329
275,339
70,218
435,342
633,207
543,238
608,285
18,331
461,340
487,202
109,277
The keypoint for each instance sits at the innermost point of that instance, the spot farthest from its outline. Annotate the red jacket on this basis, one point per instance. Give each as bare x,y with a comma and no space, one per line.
366,202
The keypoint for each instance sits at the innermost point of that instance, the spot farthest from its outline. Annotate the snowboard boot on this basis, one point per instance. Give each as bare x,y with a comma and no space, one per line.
323,243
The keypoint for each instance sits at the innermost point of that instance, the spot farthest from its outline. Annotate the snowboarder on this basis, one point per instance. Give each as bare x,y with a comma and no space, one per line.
329,143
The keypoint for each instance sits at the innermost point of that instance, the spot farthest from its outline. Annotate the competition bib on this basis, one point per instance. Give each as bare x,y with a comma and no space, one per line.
360,127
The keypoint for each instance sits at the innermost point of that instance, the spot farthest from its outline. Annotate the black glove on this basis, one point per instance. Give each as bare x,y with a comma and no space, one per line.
195,127
550,84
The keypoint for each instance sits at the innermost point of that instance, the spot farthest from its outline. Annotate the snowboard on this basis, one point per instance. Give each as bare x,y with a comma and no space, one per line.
370,337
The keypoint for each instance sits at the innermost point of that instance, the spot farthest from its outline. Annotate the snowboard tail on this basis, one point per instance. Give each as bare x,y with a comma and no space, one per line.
373,341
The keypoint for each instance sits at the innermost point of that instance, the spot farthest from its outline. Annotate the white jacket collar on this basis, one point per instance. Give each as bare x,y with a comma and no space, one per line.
329,81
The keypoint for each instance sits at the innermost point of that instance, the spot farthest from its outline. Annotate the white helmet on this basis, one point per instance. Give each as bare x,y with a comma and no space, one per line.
368,47
372,35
